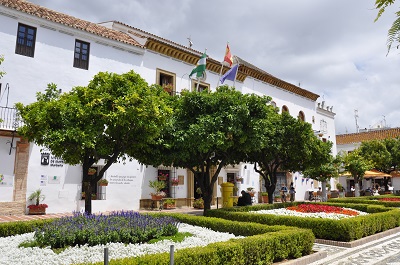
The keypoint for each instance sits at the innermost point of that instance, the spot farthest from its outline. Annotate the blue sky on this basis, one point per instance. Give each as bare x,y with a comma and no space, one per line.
332,48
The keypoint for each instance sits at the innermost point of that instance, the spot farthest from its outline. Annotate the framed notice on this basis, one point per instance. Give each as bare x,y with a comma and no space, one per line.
181,179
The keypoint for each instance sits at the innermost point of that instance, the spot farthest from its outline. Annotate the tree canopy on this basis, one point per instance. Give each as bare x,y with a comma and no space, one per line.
288,145
210,130
114,116
356,165
384,155
324,172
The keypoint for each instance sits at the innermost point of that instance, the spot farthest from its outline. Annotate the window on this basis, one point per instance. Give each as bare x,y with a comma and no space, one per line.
301,116
202,86
98,191
26,38
81,54
285,109
166,80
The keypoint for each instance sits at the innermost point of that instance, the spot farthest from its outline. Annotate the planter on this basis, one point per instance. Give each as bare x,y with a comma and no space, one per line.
264,199
169,206
103,184
156,197
37,211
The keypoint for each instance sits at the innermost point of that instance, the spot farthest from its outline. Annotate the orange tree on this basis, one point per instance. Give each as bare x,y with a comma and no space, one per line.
114,116
210,130
290,145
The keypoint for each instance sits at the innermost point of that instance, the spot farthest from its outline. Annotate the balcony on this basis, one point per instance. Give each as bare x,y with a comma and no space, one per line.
9,119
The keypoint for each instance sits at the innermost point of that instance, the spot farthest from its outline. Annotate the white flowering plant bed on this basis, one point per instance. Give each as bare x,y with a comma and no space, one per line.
213,240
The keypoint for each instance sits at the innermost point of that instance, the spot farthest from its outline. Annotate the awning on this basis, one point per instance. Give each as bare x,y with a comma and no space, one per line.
373,173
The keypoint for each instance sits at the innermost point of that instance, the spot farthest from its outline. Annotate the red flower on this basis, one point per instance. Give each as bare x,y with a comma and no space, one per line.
34,206
317,208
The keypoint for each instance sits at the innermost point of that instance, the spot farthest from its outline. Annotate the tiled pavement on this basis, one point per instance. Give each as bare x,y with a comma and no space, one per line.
380,249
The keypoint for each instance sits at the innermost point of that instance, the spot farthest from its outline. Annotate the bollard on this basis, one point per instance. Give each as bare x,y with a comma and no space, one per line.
105,256
171,255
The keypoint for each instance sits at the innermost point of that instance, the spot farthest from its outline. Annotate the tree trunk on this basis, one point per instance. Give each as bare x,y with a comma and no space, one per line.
88,198
356,187
323,187
270,189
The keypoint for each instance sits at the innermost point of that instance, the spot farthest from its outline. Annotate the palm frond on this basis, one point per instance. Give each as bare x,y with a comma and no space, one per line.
394,33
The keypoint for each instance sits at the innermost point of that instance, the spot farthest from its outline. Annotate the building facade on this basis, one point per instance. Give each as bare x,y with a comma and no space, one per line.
351,141
42,46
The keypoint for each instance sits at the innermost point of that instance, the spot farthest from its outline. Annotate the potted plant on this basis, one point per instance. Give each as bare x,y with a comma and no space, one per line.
92,171
157,185
37,207
103,182
239,179
94,196
169,203
198,203
162,176
264,196
174,182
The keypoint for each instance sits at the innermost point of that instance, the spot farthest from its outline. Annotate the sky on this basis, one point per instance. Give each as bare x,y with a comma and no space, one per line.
330,47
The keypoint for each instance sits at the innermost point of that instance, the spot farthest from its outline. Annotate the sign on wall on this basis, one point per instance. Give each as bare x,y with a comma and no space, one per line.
47,159
116,179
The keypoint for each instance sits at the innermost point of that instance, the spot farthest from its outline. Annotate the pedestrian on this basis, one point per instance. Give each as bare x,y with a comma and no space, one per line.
283,193
292,192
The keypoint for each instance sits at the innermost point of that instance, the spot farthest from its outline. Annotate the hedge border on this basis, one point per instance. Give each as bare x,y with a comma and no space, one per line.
380,219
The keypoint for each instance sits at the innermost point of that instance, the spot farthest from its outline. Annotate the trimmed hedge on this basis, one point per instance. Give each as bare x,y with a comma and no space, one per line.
349,229
21,227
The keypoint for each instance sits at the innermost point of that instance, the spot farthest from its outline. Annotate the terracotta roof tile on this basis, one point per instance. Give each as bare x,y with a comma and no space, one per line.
367,136
70,21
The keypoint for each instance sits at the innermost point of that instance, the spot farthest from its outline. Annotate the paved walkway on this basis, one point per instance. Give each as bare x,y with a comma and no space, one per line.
379,249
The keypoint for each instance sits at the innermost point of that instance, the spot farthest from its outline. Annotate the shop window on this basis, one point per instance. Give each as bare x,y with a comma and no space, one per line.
81,54
167,80
26,38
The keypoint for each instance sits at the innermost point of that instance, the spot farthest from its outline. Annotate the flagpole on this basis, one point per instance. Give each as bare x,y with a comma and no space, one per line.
234,80
220,74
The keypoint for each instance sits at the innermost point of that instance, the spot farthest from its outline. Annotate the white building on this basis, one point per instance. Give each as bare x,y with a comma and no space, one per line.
351,141
42,46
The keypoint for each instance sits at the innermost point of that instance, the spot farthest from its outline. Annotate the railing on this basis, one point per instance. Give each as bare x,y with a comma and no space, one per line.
9,118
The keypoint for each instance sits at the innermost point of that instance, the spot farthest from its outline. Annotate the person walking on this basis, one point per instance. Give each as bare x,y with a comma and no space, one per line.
292,193
283,193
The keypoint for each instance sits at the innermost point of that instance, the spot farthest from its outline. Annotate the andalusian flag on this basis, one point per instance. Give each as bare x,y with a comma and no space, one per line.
228,59
201,66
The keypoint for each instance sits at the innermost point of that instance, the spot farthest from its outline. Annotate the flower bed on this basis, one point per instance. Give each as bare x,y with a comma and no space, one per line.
346,229
124,227
261,245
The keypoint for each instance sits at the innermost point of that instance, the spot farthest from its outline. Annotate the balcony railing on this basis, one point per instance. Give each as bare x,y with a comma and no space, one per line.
9,119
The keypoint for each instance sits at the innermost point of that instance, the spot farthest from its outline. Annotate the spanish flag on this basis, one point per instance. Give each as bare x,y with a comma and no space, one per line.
228,59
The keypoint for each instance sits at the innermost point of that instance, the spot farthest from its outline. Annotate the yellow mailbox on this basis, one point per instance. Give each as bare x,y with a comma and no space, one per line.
227,193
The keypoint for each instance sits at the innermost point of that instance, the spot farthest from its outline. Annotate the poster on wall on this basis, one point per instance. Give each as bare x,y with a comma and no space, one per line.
6,180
